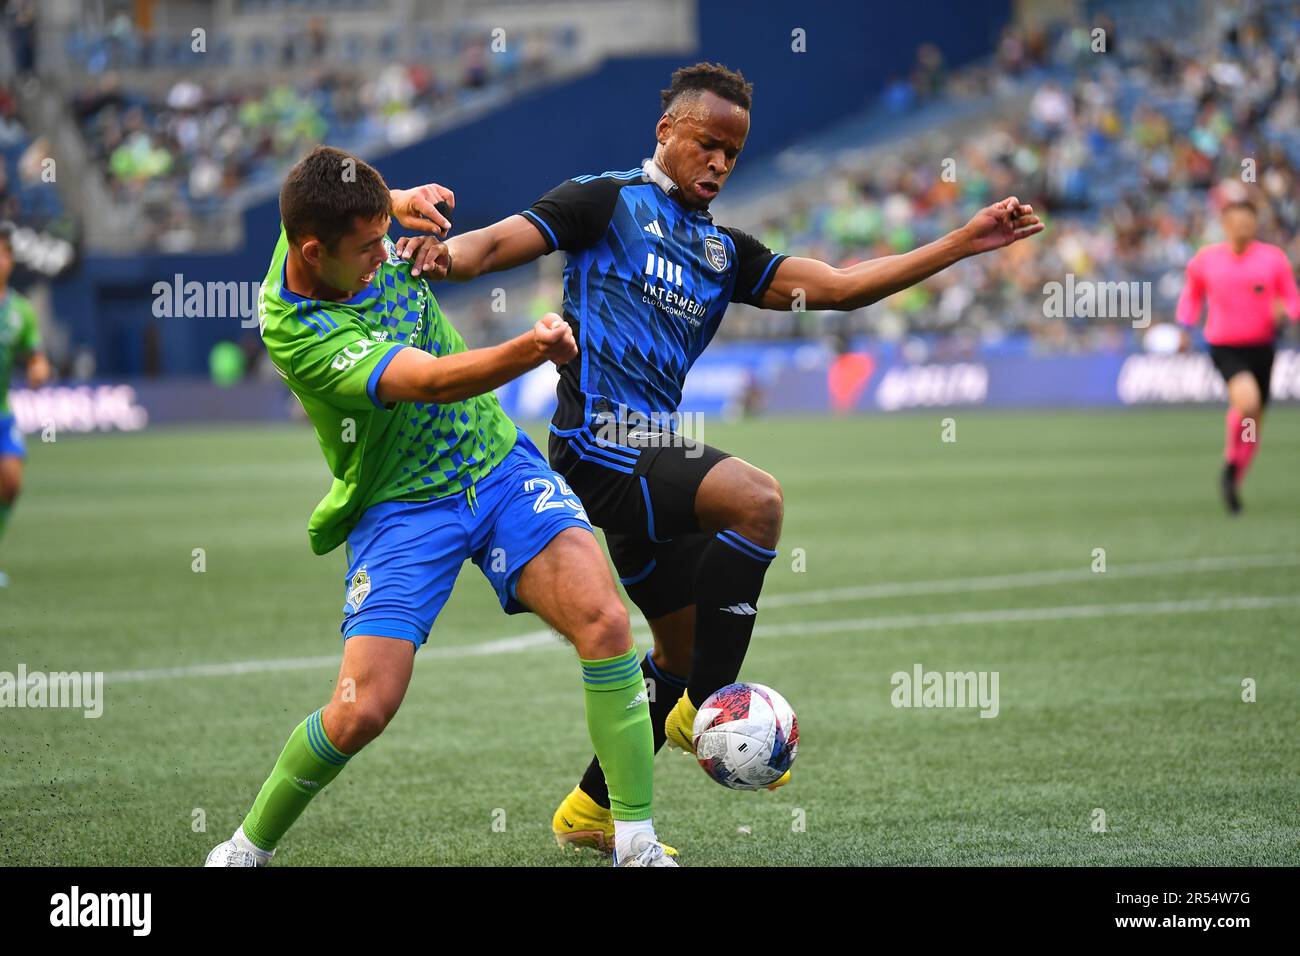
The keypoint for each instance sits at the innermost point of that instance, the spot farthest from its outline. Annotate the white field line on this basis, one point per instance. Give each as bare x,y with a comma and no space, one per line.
1000,582
1014,615
505,645
544,638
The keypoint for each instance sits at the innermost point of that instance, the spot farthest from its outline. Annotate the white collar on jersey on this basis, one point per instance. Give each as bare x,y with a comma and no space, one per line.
654,172
658,176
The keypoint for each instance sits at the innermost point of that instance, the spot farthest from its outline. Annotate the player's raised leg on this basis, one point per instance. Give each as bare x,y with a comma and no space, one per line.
372,682
743,507
665,535
1242,432
711,582
568,585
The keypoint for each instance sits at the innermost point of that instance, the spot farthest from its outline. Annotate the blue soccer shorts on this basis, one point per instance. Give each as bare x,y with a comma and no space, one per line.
404,556
11,438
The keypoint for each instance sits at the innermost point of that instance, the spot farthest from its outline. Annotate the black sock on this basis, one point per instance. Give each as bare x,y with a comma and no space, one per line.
727,583
665,690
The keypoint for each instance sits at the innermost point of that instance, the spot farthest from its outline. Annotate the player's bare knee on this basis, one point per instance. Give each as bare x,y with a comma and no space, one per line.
354,724
604,631
9,492
356,729
764,511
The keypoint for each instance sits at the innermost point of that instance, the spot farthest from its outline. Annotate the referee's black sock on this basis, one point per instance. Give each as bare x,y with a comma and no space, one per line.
727,584
664,689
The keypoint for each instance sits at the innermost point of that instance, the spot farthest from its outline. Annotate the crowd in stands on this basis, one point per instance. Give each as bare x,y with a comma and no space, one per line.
182,153
1127,154
1127,151
27,189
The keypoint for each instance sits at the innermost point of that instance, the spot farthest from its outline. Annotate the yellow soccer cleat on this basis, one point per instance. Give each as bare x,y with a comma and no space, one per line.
580,821
679,725
781,781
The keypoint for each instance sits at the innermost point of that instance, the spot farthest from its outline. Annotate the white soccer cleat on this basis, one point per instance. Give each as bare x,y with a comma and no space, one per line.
646,851
238,851
227,854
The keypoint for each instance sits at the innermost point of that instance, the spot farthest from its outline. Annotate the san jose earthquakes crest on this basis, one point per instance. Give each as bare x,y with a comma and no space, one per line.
716,253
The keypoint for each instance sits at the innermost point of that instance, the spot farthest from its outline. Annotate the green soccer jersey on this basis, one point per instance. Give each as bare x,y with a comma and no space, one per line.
332,355
18,336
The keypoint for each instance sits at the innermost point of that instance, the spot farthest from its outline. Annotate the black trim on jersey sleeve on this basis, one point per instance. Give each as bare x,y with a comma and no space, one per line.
575,215
756,264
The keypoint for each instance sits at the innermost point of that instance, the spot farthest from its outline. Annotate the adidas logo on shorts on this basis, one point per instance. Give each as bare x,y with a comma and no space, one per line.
745,610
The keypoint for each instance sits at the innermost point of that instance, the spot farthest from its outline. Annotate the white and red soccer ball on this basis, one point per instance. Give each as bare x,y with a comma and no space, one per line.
746,736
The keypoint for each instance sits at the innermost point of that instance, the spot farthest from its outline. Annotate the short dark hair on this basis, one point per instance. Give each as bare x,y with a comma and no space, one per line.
326,191
1245,204
715,78
7,236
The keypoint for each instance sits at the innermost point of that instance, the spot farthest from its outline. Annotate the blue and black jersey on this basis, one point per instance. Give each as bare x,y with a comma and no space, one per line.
646,283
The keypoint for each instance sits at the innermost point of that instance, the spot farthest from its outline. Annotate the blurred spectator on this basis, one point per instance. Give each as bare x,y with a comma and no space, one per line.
20,25
28,194
179,154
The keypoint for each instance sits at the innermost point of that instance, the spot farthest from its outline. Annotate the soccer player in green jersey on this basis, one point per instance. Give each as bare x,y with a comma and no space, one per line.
20,340
428,472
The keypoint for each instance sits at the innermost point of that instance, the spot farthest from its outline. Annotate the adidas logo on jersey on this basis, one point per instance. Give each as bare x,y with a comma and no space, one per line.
654,229
744,610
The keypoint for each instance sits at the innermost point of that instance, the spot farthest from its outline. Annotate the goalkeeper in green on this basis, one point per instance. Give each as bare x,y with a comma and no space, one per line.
428,472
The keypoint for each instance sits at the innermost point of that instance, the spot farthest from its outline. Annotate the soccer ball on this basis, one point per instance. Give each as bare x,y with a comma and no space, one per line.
746,736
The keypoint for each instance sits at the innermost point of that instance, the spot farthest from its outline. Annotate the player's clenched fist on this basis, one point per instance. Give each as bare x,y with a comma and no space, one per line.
554,339
1000,225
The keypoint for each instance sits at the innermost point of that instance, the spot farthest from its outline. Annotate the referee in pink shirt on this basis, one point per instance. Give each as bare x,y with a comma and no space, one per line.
1244,280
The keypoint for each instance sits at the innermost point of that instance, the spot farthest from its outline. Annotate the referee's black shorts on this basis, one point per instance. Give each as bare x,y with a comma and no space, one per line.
639,485
1232,360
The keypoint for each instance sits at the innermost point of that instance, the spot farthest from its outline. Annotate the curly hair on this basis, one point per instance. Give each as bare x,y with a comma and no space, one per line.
714,78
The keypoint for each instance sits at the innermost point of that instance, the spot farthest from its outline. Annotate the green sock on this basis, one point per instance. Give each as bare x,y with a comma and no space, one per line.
619,724
307,763
5,508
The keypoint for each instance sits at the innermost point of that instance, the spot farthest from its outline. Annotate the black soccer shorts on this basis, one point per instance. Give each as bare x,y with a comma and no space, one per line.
1231,360
639,485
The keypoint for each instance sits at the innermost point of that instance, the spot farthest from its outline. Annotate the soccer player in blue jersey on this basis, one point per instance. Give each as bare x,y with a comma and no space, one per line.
647,279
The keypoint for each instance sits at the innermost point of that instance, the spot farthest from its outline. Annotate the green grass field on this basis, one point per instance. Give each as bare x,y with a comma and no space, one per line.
1119,690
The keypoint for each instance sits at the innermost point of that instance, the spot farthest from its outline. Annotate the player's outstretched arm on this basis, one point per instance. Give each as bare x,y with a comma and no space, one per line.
416,376
503,245
819,285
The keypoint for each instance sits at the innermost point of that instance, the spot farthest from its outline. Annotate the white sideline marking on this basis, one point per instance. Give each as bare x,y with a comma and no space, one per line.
1013,615
505,645
535,639
1000,582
